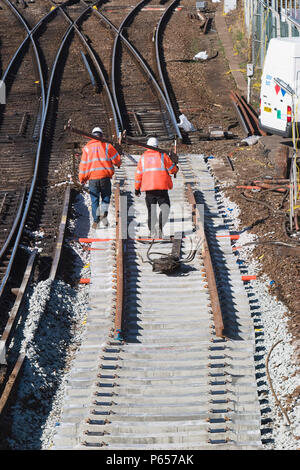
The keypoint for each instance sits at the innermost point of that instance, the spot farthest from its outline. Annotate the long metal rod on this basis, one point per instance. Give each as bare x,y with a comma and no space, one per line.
127,140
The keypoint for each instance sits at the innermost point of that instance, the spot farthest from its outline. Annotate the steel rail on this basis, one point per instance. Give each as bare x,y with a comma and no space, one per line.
95,61
15,312
11,383
30,33
208,265
143,65
251,113
135,53
14,226
118,32
119,267
38,153
245,113
61,235
159,60
8,332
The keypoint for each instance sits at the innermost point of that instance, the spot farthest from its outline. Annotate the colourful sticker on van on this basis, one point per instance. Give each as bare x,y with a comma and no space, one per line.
278,114
277,89
283,91
269,77
268,83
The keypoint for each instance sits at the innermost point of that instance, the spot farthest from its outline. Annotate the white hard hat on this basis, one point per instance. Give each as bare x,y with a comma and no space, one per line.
97,130
153,142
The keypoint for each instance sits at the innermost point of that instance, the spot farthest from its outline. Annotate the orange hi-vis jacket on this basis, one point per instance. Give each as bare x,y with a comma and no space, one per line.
97,161
153,171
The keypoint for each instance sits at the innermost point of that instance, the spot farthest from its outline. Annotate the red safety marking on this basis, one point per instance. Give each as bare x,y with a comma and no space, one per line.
248,278
232,237
84,280
91,240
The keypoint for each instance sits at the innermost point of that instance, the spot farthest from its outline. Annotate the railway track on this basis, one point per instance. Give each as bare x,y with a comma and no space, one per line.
173,380
42,203
166,361
41,137
40,142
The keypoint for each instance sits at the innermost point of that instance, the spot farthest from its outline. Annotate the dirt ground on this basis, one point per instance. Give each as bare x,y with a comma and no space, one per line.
202,92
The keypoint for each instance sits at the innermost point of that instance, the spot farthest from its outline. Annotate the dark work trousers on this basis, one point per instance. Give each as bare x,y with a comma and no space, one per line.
100,188
160,197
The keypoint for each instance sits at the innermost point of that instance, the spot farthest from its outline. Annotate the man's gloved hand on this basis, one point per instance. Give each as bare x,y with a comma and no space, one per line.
174,157
137,192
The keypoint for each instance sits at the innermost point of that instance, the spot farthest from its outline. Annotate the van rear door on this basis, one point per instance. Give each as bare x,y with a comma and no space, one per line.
274,104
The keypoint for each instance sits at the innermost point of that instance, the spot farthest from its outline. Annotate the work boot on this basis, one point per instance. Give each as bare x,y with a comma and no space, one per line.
94,225
103,219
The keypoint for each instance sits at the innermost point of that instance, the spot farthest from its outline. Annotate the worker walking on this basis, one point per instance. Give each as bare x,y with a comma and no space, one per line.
97,168
153,176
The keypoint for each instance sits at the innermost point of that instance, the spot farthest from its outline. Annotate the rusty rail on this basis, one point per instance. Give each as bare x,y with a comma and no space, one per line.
209,270
119,267
16,310
247,114
61,234
10,384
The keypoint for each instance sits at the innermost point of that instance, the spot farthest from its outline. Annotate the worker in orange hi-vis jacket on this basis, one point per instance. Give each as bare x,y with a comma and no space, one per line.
97,168
153,176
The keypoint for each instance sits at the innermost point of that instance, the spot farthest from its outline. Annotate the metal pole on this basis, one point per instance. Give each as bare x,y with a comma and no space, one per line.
262,34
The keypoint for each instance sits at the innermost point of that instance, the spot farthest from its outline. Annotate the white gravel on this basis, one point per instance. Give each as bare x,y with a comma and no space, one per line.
270,322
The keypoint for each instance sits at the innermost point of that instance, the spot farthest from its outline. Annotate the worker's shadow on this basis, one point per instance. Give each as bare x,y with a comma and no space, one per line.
133,309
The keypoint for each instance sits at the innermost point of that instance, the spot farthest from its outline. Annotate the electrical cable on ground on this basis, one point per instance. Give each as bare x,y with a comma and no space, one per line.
271,385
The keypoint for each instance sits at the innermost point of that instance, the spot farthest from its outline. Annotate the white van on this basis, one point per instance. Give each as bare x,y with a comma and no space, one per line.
276,104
